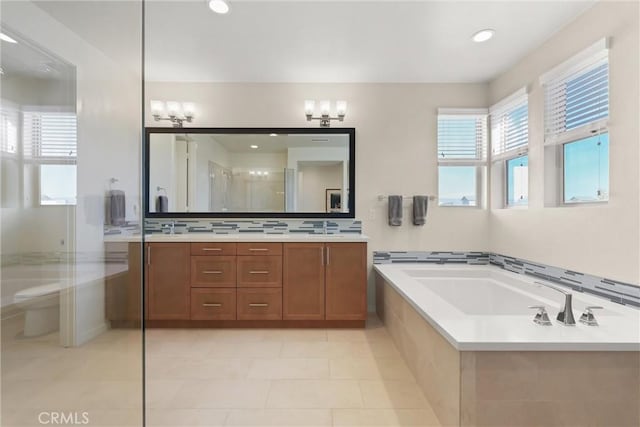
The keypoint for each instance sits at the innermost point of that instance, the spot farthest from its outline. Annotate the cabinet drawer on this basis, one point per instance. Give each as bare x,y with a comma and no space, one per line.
213,304
213,271
258,248
260,271
213,248
259,304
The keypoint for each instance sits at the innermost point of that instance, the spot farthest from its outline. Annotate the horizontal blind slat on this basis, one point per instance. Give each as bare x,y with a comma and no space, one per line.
50,137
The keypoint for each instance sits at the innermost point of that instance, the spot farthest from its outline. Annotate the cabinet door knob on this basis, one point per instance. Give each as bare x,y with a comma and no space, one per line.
211,304
258,304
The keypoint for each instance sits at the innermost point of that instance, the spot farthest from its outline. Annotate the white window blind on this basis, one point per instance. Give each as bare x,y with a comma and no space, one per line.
9,131
50,137
510,126
462,136
577,96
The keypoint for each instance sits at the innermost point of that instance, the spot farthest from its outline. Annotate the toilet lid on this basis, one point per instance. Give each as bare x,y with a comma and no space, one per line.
37,291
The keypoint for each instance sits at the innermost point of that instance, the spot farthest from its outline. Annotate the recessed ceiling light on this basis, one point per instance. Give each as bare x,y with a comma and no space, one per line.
6,38
273,134
483,35
253,146
219,6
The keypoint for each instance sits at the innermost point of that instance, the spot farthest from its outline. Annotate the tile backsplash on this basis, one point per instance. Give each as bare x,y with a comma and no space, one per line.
267,226
619,292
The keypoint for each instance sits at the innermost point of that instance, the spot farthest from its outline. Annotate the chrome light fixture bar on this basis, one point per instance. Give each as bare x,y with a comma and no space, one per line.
177,113
325,112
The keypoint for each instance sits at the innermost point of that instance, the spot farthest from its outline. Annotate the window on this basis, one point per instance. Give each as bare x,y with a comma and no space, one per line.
576,120
50,142
586,169
509,146
462,148
518,181
8,130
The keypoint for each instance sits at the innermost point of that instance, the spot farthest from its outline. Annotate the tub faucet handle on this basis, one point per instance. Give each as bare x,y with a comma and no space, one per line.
588,318
542,317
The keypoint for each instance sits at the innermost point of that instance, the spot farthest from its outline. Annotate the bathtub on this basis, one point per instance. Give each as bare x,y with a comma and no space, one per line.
467,334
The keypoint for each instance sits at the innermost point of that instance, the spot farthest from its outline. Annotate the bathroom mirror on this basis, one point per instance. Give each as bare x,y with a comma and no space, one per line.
249,172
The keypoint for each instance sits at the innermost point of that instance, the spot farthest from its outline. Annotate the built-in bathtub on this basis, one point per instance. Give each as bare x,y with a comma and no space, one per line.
468,335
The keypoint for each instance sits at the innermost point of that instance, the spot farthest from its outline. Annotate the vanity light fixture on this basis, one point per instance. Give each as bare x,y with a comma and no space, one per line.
177,113
483,35
219,6
6,38
325,112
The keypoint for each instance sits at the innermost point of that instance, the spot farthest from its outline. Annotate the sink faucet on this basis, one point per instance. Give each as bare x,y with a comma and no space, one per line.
324,227
565,316
171,227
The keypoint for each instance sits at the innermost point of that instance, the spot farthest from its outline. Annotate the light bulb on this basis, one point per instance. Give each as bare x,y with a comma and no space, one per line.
341,108
188,109
173,108
157,108
325,108
309,107
6,38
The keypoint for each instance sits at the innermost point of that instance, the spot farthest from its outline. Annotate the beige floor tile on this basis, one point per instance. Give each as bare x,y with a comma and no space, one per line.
161,393
285,369
189,368
114,417
313,394
339,349
186,417
245,349
370,369
384,417
280,417
392,394
221,394
356,335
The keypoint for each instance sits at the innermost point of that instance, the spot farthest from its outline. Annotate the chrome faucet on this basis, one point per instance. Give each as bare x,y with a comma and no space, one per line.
565,316
171,227
324,227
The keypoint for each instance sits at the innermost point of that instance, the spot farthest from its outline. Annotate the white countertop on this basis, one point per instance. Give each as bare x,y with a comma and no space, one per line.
618,330
239,237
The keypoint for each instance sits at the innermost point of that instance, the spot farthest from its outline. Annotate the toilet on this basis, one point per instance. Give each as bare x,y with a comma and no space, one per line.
42,308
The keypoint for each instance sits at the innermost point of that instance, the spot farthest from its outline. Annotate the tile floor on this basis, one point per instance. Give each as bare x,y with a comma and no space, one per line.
228,377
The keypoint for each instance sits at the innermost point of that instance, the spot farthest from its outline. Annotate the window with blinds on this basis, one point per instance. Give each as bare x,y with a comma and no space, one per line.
462,136
510,126
577,96
50,137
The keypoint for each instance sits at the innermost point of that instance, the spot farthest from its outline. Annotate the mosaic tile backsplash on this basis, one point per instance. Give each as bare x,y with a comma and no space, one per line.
619,292
276,226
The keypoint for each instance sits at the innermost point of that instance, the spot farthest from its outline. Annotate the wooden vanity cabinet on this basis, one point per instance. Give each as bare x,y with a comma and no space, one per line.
303,281
325,281
168,281
123,291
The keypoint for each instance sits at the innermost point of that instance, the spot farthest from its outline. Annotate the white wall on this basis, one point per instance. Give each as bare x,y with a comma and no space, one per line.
316,179
108,108
395,145
600,240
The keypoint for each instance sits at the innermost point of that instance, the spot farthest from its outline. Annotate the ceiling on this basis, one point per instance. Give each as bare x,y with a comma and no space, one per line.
241,143
22,59
319,41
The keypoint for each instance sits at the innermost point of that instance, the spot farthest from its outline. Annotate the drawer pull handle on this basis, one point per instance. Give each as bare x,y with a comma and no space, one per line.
212,272
258,304
211,249
259,272
258,249
211,304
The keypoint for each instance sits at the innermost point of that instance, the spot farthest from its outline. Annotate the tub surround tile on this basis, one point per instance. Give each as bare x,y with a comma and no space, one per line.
613,290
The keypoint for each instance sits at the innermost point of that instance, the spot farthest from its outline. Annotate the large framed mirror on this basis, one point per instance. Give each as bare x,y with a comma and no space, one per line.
250,172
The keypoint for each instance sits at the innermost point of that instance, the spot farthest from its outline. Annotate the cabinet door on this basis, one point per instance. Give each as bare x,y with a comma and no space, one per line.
346,281
168,287
303,281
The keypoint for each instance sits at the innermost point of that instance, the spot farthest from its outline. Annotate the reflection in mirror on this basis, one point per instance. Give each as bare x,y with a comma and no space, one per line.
248,173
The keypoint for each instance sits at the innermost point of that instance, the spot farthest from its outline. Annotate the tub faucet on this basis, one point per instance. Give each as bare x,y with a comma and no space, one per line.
565,316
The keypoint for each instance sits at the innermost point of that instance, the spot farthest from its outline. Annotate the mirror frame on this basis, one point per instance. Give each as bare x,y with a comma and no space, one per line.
148,131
